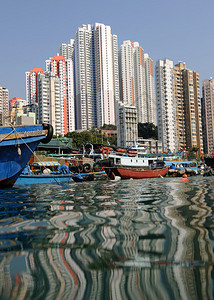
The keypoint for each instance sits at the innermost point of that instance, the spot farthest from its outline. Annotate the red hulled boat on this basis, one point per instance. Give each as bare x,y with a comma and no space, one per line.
135,173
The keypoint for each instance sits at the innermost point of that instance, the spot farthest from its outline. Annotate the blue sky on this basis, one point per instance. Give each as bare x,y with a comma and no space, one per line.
32,31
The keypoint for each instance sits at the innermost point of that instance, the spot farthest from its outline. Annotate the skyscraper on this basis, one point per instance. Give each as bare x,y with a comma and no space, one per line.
49,100
165,101
31,85
188,107
150,90
106,70
137,81
84,78
57,65
96,75
67,51
4,104
207,103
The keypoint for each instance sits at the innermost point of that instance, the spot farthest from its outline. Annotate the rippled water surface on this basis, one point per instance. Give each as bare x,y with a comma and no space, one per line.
134,239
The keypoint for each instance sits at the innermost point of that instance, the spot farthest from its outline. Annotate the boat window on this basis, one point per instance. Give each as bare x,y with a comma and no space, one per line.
117,160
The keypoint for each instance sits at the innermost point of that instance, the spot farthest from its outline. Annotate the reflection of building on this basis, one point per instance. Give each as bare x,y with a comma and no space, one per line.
116,241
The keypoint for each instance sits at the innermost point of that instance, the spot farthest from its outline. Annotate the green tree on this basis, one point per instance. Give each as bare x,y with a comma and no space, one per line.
147,131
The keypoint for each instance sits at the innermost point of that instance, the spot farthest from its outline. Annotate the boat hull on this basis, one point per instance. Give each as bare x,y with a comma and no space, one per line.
131,173
57,178
43,179
16,147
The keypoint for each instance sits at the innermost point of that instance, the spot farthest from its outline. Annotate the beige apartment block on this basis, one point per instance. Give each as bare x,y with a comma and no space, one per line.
207,103
188,107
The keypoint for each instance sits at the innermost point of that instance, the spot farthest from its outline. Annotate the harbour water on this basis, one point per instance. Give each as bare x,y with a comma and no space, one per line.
133,239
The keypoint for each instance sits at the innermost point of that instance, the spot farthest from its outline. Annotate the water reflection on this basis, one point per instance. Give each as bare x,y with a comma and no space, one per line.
143,239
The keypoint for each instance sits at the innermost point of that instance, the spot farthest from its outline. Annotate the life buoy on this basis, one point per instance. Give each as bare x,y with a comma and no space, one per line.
49,135
80,168
86,168
97,167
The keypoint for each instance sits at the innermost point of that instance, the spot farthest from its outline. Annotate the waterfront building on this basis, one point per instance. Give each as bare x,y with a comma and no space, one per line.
49,100
188,107
4,105
165,101
207,103
137,80
57,65
126,116
31,85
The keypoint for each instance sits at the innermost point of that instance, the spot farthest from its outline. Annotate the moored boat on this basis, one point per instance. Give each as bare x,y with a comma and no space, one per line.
135,173
17,143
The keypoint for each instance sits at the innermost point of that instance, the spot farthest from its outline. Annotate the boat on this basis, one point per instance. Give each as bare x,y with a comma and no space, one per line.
179,167
50,172
17,144
133,166
135,173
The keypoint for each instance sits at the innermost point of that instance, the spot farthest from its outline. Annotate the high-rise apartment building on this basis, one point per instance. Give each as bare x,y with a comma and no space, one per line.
4,105
192,101
31,85
96,76
137,81
207,103
106,69
67,51
49,100
188,107
57,65
180,105
85,98
150,90
165,101
126,63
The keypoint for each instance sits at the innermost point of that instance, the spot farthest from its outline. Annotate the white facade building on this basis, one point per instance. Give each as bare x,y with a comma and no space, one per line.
57,65
31,85
4,105
106,69
49,100
150,90
137,81
127,133
84,78
67,51
165,100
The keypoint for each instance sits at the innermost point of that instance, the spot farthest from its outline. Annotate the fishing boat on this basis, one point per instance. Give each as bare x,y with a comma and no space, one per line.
133,166
45,173
51,172
135,173
17,143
